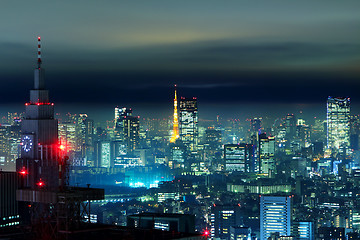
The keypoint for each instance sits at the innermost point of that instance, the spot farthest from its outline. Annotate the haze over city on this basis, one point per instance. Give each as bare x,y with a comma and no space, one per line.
248,54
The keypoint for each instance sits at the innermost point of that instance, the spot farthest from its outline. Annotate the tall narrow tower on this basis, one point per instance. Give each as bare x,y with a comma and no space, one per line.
39,141
175,134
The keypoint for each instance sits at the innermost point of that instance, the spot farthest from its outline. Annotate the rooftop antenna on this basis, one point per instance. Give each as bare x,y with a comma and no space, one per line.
39,52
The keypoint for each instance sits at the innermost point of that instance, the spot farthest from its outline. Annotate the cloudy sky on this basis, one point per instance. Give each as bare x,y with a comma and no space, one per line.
223,52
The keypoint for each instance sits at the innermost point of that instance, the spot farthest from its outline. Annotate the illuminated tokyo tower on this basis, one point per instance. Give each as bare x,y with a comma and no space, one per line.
175,134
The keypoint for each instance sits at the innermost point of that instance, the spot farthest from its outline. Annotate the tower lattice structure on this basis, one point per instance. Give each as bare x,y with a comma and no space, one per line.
175,133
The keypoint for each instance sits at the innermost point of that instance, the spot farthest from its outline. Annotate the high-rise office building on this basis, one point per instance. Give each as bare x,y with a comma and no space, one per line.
213,146
240,233
222,218
275,216
4,146
266,154
84,138
303,135
255,126
84,131
120,114
14,140
238,157
303,230
67,135
104,155
127,128
188,122
131,132
338,123
9,146
178,155
290,126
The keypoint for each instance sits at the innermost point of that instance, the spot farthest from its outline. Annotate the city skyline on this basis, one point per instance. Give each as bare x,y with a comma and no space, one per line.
236,53
202,120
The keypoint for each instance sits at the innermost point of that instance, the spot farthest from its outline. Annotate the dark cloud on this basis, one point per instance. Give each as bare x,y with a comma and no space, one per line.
214,71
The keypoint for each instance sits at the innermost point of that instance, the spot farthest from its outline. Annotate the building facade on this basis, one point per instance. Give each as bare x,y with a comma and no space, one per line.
222,218
267,154
238,157
39,141
338,123
127,128
188,122
9,216
275,216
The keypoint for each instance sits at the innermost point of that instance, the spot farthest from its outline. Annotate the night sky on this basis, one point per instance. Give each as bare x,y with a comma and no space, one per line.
226,53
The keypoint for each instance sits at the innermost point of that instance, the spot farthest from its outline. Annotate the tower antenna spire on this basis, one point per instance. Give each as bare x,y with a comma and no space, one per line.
39,52
175,134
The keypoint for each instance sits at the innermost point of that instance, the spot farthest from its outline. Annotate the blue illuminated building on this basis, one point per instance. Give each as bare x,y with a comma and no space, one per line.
275,215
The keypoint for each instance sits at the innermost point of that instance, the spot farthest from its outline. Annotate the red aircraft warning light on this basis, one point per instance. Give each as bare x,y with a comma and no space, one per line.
23,172
40,183
206,233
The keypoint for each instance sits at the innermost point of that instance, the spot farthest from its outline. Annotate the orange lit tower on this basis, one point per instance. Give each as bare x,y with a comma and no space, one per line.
175,134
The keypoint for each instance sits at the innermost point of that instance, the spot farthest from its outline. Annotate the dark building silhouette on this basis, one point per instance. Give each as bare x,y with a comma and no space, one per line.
8,205
172,222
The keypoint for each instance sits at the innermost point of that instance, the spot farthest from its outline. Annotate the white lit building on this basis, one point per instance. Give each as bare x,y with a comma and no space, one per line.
338,123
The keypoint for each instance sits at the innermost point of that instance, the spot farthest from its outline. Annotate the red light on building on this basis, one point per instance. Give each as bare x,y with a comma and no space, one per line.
40,183
23,172
62,147
206,233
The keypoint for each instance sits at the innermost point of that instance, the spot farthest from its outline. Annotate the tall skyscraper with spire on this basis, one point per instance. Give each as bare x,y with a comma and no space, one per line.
175,134
44,190
39,141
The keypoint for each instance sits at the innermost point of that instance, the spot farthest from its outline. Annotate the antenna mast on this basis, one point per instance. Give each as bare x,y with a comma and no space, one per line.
39,52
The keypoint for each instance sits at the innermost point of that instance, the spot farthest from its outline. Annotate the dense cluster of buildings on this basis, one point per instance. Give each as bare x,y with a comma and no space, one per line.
291,178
